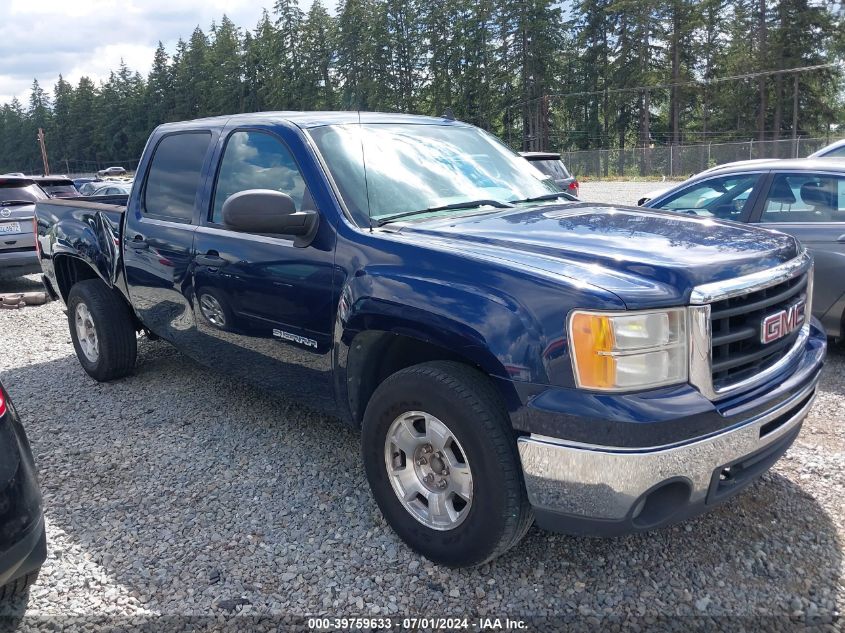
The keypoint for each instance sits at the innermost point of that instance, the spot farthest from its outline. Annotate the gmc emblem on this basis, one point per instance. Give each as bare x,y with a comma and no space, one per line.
779,324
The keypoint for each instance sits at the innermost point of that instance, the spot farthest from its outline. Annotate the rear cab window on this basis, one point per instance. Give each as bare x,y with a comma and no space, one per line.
175,175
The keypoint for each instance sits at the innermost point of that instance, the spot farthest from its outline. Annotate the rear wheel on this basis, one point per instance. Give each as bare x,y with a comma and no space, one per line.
102,330
441,459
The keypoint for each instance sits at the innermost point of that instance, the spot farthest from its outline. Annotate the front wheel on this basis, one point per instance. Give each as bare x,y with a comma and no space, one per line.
102,330
17,588
441,460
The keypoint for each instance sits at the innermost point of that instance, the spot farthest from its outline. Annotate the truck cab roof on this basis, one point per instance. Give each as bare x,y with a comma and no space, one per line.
306,120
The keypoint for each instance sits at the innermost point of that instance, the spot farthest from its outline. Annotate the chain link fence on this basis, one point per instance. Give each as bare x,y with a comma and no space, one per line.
679,161
78,168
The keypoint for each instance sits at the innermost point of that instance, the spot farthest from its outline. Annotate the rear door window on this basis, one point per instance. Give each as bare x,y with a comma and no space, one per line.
175,175
799,198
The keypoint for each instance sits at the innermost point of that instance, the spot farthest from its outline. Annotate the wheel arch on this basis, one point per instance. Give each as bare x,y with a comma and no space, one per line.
70,269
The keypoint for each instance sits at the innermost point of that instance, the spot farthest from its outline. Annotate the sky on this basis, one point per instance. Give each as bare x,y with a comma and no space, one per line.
44,38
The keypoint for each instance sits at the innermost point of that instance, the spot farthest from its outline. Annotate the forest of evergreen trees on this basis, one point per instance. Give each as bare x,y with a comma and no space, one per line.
541,74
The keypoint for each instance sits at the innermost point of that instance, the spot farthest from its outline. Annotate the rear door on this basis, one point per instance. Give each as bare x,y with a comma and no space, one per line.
811,206
158,239
263,304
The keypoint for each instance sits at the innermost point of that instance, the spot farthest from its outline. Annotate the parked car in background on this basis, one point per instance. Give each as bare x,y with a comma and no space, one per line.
112,171
834,150
57,186
509,353
802,197
87,188
17,243
112,189
23,544
550,164
81,182
651,195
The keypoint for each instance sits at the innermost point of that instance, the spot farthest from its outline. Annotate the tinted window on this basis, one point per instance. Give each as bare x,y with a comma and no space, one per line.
67,190
723,197
254,160
175,175
11,190
553,168
805,198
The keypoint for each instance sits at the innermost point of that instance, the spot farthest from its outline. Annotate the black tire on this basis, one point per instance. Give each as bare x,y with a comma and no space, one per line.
19,587
116,336
468,404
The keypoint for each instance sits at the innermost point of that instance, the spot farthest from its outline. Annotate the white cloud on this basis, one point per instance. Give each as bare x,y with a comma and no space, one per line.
44,38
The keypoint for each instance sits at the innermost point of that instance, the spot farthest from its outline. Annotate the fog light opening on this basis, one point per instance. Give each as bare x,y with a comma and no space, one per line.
726,474
659,505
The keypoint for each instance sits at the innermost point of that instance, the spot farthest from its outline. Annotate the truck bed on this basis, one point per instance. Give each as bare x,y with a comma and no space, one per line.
112,207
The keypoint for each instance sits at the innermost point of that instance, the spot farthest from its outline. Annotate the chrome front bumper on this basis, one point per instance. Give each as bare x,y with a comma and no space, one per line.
580,488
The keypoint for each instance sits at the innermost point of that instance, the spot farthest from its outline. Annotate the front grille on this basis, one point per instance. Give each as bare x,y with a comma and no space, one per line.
737,351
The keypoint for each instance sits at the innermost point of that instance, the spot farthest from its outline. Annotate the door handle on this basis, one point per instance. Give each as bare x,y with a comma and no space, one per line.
211,258
138,243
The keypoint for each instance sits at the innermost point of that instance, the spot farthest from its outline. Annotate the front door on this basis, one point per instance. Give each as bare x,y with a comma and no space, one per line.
264,306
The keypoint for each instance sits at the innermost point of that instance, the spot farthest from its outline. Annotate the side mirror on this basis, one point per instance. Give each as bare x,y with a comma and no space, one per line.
271,212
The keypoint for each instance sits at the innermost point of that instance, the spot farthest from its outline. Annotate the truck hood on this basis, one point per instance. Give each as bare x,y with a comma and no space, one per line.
647,258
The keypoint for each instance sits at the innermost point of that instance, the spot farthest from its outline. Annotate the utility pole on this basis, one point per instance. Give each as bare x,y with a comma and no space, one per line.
795,114
43,151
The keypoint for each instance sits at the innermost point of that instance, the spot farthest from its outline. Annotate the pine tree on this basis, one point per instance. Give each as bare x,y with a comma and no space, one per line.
160,91
224,87
318,46
286,81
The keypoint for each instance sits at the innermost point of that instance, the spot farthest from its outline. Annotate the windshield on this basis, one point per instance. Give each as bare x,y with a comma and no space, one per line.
415,167
14,191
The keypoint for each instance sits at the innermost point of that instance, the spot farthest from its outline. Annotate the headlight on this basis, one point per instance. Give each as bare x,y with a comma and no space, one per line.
622,351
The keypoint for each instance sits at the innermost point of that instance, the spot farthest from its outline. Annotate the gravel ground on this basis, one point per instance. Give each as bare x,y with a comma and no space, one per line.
619,192
179,492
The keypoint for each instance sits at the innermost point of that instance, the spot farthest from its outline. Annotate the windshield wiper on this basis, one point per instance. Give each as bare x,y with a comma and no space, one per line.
549,196
470,204
9,203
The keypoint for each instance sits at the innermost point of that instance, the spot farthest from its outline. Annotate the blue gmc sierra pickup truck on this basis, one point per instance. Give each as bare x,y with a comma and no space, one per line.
510,354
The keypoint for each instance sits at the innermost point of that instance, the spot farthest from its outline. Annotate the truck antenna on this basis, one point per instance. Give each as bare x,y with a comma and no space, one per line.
366,180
